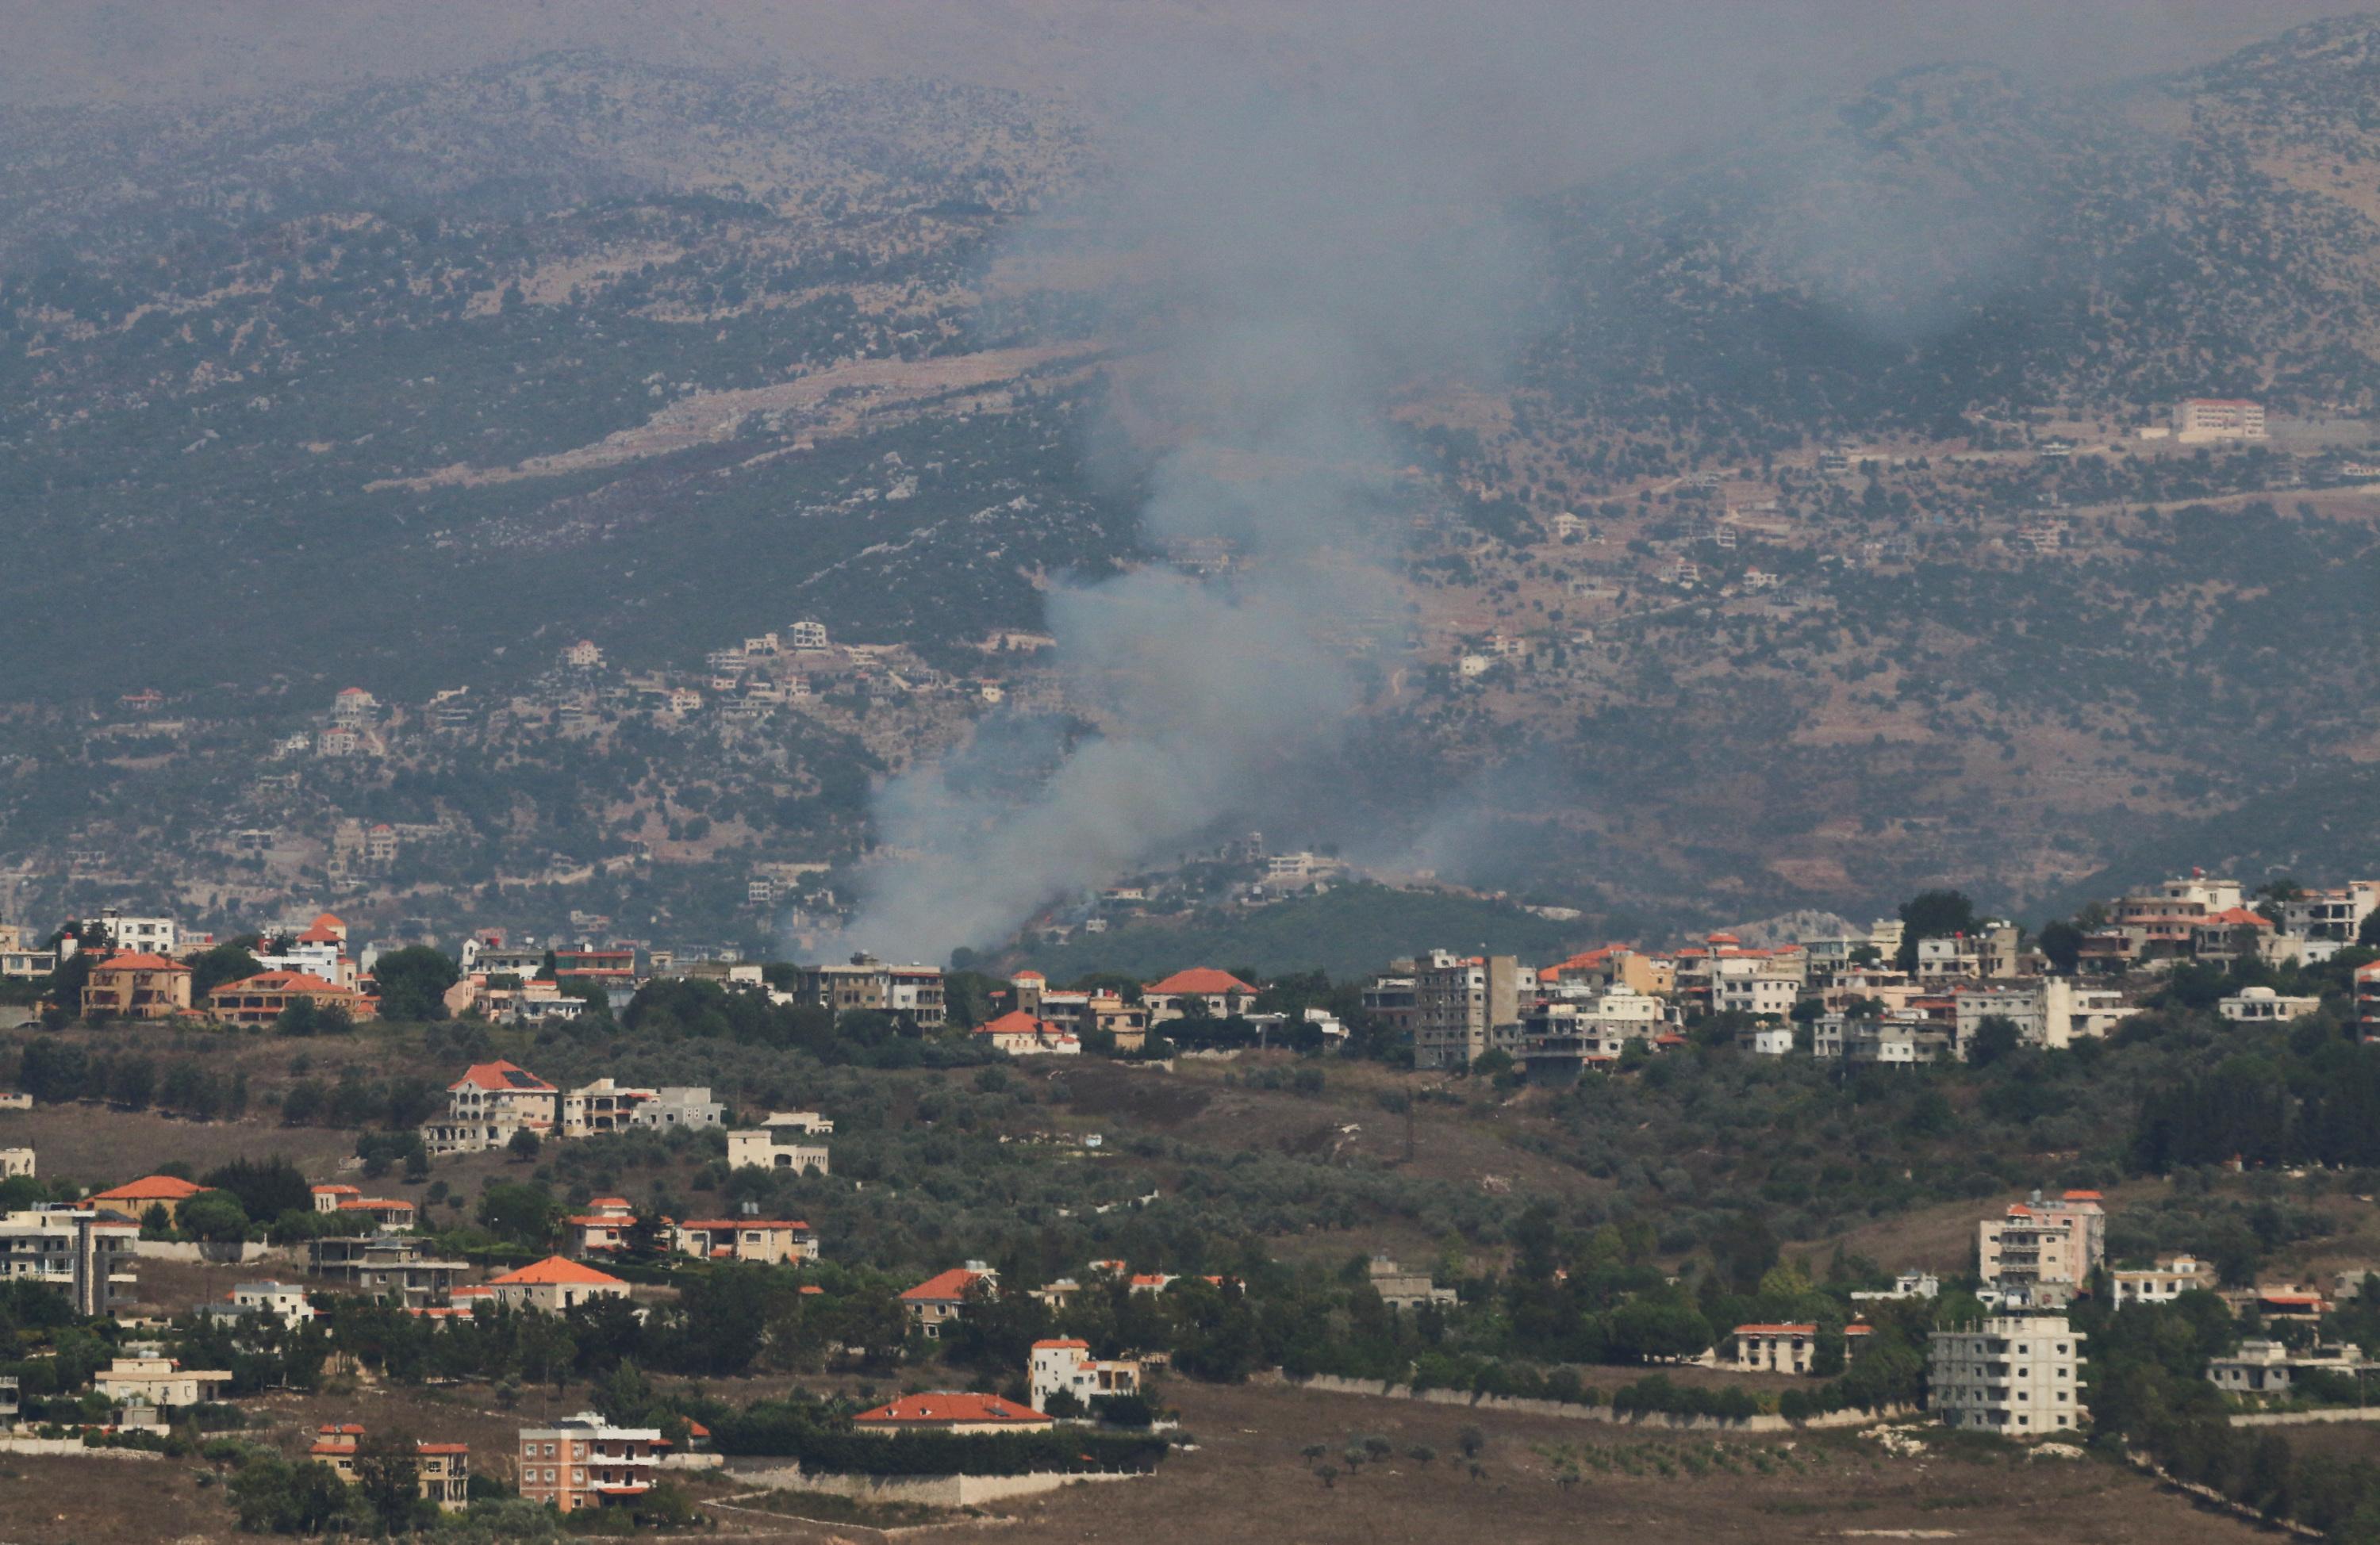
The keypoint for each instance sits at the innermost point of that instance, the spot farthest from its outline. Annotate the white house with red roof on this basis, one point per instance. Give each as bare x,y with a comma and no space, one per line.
354,706
490,1104
1222,994
1021,1034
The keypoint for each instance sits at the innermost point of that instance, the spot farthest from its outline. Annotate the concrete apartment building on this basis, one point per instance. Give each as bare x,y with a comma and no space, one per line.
399,1268
74,1250
2039,1252
2197,420
137,936
2018,1375
2051,1012
913,992
2336,915
1458,999
1892,1041
1563,1038
1064,1364
584,1461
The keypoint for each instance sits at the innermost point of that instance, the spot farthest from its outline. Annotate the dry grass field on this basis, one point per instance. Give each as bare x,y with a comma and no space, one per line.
1248,1480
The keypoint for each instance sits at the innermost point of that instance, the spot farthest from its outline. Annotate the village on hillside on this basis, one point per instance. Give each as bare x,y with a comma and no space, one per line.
341,1281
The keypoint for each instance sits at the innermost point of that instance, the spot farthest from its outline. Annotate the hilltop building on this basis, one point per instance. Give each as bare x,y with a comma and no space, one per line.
2018,1375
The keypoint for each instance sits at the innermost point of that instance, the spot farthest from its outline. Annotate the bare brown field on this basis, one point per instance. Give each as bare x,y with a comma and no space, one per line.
1248,1480
100,1147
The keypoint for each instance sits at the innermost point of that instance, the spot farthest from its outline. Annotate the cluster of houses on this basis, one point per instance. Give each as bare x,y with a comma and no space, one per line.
1590,1011
495,1103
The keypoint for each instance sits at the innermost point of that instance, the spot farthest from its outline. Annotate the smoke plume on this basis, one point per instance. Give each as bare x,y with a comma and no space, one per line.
1316,250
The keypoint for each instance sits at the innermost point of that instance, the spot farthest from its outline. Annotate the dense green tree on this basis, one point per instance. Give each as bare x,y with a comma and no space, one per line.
1932,914
413,982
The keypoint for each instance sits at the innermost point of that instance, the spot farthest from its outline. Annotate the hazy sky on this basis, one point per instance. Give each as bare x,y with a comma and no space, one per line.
131,49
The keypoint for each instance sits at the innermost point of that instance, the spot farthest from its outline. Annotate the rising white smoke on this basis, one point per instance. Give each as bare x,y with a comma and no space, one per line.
1315,251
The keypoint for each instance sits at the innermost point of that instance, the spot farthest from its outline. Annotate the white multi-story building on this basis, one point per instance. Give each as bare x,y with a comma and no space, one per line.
2199,419
2018,1375
140,935
1758,995
281,1301
806,637
2335,915
2051,1012
1898,1043
1068,1364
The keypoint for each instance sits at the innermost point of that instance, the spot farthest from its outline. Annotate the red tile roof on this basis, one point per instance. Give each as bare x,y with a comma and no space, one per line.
1199,979
280,981
132,960
1063,1341
944,1286
152,1188
554,1271
497,1075
950,1409
1016,1022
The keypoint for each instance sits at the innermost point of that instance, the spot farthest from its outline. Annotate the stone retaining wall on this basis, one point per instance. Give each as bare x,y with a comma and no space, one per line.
932,1490
1334,1384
